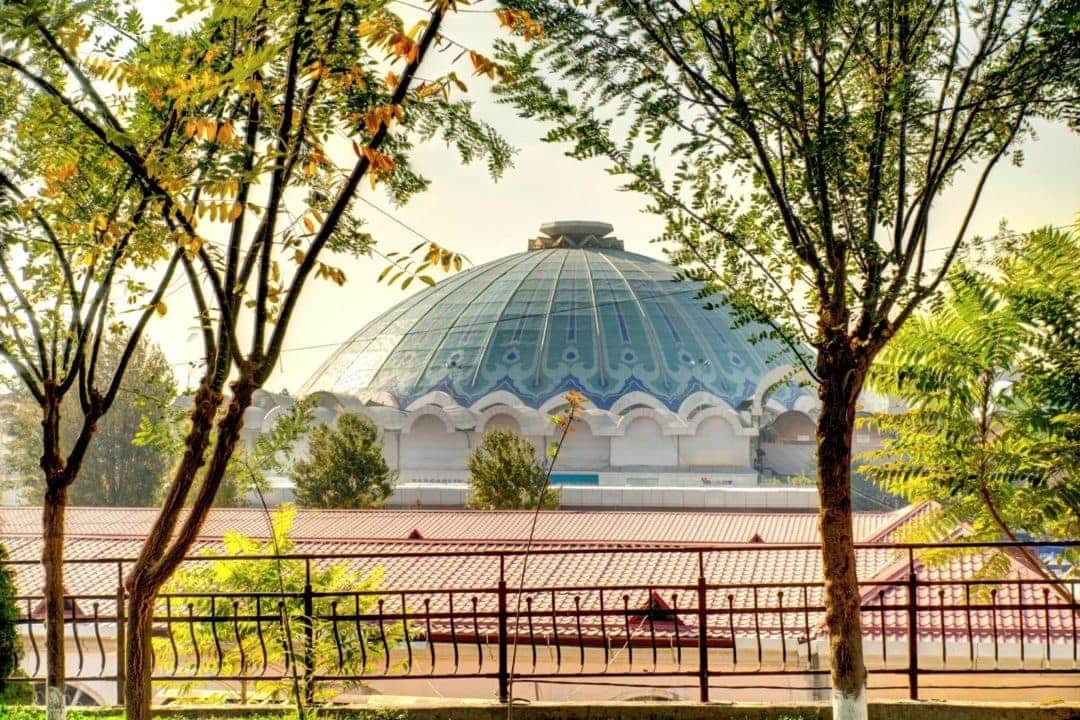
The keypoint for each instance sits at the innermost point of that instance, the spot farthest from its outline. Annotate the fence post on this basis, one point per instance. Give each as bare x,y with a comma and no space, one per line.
121,635
309,635
504,665
703,630
913,635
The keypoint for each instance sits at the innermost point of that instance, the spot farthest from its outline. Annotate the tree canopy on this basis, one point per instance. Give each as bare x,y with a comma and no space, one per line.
81,260
505,474
796,152
239,135
116,472
1060,29
990,375
344,467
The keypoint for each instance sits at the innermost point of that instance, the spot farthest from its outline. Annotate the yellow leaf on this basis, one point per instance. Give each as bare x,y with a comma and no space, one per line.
299,256
225,133
161,308
308,224
63,172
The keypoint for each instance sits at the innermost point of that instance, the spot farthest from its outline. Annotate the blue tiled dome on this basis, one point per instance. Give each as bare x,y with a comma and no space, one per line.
574,312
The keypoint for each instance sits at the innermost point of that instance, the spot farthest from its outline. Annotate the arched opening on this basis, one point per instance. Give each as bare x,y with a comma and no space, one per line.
788,445
644,444
503,421
428,445
714,443
581,450
789,427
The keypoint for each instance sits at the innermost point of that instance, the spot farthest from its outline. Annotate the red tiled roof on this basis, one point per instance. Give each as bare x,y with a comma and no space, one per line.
945,573
474,536
469,525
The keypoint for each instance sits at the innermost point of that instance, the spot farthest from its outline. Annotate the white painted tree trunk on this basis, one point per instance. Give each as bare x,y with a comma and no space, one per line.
54,704
849,707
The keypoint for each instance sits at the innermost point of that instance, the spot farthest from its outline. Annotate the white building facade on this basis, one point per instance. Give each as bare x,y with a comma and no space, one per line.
685,408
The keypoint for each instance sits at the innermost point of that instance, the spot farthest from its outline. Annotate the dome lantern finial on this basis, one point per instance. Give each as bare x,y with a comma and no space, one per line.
576,234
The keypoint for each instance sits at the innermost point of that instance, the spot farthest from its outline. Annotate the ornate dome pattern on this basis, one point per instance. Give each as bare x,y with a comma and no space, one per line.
574,312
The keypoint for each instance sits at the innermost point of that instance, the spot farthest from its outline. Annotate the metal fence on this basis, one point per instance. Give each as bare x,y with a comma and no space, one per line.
695,628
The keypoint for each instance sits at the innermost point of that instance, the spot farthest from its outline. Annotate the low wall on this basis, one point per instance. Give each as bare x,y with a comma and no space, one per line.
409,709
445,492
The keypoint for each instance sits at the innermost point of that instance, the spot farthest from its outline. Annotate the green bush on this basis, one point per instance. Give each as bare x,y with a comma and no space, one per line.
345,467
10,646
235,579
505,474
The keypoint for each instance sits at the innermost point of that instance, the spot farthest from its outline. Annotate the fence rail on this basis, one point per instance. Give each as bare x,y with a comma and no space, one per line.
690,629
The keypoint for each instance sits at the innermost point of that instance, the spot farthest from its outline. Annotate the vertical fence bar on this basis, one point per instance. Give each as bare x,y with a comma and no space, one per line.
121,669
884,631
1072,612
780,614
607,645
30,636
971,633
731,629
453,629
913,636
97,636
504,665
1046,620
806,623
678,640
941,621
1020,619
757,630
993,622
703,633
651,610
309,635
405,634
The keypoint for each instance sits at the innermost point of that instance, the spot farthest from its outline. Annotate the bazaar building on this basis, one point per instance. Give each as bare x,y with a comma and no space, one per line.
686,407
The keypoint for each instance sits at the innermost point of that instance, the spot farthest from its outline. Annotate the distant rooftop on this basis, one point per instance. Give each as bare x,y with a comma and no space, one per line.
504,526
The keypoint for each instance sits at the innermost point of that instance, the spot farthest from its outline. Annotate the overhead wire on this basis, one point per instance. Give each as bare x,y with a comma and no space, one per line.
526,316
486,321
523,316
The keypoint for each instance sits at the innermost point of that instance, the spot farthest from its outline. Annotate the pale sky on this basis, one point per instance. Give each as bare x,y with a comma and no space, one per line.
467,212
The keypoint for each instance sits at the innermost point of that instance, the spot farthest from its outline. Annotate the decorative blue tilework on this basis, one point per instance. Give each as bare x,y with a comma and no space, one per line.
601,321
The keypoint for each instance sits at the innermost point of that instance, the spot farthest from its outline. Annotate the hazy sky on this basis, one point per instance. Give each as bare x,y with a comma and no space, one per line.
467,212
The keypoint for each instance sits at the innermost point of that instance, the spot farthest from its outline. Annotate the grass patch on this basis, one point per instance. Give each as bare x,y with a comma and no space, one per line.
23,712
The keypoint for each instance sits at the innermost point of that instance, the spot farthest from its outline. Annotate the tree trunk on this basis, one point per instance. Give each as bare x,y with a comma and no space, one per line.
52,558
52,551
841,381
139,659
164,550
